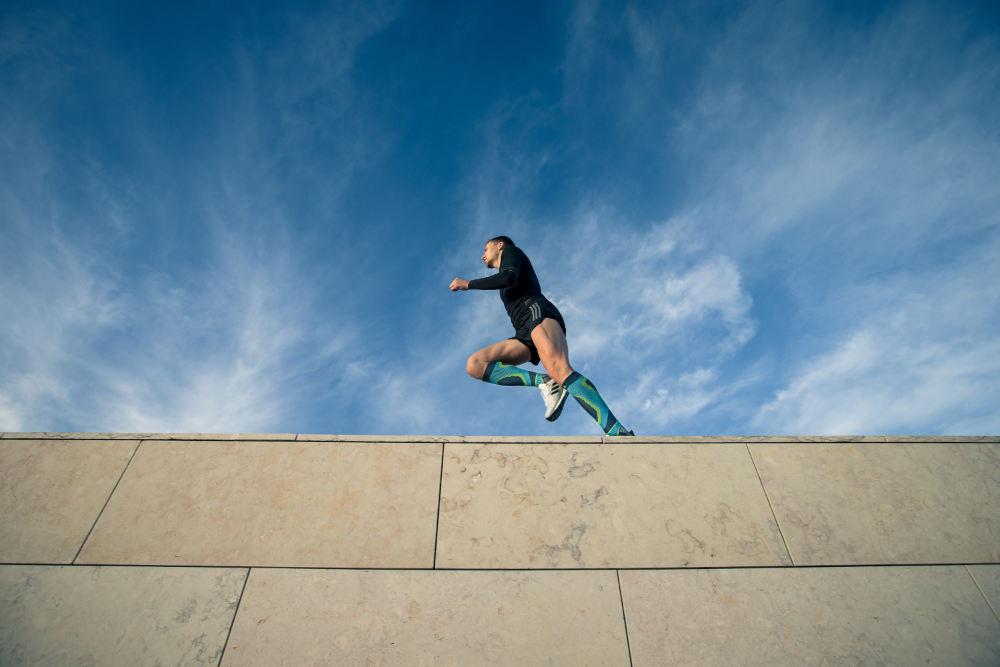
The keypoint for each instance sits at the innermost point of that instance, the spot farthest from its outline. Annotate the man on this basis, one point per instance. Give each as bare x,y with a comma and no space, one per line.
540,335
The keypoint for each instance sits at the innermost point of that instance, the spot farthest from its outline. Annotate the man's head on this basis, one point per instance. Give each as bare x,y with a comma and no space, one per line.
492,250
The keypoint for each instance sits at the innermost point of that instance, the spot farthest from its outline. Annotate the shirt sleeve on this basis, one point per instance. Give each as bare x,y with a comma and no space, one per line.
510,268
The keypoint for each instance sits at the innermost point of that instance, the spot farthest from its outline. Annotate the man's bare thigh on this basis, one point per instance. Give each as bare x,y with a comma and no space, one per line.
509,351
553,350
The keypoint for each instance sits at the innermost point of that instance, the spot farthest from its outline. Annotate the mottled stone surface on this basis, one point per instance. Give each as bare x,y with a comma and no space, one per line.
840,616
890,503
532,503
51,492
429,618
622,505
51,615
281,504
988,579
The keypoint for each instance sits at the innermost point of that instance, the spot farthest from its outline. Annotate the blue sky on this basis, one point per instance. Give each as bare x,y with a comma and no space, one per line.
756,217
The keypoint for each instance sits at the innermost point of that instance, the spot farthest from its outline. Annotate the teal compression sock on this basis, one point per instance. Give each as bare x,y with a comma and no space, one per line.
498,372
587,396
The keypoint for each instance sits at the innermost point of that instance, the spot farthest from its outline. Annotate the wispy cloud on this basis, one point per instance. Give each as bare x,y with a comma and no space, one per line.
223,327
227,347
54,302
876,141
222,347
925,358
858,185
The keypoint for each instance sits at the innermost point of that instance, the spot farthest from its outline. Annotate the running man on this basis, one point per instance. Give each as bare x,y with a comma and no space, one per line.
540,334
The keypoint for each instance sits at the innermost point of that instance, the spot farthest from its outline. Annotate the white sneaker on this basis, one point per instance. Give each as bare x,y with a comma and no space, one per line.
554,396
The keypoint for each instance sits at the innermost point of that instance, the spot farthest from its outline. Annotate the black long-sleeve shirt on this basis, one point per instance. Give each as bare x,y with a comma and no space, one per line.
516,279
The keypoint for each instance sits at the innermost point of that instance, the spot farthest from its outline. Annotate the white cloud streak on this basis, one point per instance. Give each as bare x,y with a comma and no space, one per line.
215,349
925,359
53,301
224,336
246,338
879,140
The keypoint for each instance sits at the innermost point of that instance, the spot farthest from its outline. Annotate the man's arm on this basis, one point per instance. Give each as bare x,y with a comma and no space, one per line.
505,278
496,281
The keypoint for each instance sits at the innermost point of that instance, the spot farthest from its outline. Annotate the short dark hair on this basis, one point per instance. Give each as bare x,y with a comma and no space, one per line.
506,240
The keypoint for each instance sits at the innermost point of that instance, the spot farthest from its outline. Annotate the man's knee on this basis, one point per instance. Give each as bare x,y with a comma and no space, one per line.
557,367
475,366
560,374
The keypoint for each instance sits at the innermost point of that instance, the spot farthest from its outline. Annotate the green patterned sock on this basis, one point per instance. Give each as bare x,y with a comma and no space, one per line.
500,373
587,396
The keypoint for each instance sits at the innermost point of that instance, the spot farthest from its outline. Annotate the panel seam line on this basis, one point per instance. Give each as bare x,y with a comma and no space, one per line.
983,593
236,611
106,502
437,520
769,505
621,598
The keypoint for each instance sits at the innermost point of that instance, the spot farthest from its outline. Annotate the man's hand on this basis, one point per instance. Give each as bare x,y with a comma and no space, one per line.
459,284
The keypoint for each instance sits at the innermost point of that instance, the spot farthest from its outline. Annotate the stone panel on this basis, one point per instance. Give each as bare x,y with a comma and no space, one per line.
281,504
890,503
51,492
599,506
429,618
809,616
80,615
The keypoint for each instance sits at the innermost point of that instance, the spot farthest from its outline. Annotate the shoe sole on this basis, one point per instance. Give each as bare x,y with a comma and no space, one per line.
558,411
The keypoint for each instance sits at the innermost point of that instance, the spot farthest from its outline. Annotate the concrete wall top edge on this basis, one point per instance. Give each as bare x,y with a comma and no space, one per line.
289,437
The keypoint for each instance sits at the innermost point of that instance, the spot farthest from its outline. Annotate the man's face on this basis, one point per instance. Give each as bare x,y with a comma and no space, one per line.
491,255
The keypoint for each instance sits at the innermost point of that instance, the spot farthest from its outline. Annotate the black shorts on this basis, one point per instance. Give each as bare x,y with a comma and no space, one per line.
529,315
